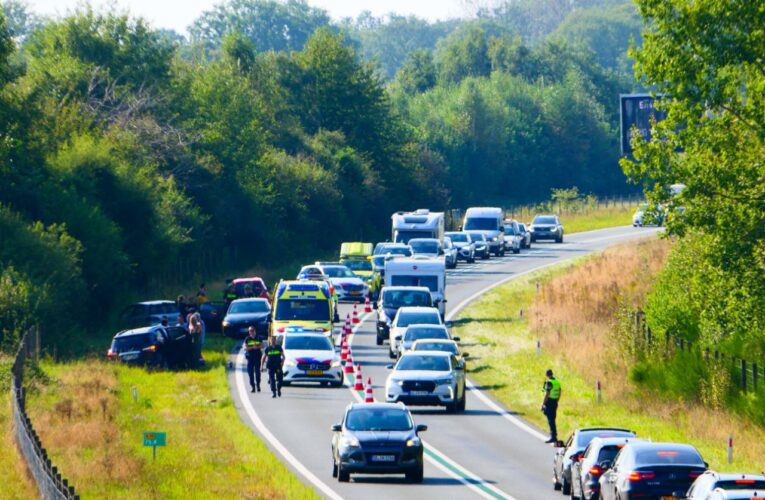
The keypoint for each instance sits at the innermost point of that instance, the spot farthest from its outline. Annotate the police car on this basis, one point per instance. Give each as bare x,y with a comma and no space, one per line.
302,307
311,358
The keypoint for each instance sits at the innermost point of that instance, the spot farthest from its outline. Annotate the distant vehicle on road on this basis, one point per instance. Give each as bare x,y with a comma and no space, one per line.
416,332
574,447
546,227
377,438
428,378
652,470
311,358
450,253
708,482
357,257
302,307
644,216
346,285
419,272
410,316
154,346
393,249
487,221
481,245
394,297
597,459
464,245
525,235
244,313
513,238
449,346
427,247
421,223
149,313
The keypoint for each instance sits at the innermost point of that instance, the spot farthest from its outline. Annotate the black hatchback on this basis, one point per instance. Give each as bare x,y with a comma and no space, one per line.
155,346
377,438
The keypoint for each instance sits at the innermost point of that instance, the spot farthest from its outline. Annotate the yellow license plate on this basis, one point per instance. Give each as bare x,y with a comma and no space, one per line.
355,293
315,372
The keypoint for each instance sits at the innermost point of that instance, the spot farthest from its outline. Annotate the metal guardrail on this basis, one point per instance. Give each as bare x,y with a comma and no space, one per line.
49,482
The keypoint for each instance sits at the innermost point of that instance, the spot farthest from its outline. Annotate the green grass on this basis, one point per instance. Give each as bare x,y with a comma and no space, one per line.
504,359
14,480
600,218
97,442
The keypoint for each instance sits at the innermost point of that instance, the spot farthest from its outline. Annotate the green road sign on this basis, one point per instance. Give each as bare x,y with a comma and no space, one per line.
154,439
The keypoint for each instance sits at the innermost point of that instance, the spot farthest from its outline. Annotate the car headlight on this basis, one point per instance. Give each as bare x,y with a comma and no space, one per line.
336,363
226,324
350,442
290,362
414,442
399,382
496,238
444,381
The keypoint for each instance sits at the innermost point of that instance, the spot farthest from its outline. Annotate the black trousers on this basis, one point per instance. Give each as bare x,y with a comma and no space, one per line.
253,371
551,412
275,379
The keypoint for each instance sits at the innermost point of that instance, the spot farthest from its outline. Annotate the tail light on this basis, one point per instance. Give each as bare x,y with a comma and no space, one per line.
281,329
595,471
111,354
744,481
695,474
151,348
641,475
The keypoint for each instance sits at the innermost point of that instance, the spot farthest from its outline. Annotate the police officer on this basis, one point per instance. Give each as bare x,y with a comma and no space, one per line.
550,403
273,359
253,351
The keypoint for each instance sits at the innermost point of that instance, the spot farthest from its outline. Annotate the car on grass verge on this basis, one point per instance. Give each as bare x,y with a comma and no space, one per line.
377,438
245,288
427,378
244,313
652,470
149,313
565,453
597,459
702,488
153,346
311,358
546,227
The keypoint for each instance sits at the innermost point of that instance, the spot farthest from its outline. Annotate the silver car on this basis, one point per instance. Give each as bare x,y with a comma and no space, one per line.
427,378
450,254
513,238
464,245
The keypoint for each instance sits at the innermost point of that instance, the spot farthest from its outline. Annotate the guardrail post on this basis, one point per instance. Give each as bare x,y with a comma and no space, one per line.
743,375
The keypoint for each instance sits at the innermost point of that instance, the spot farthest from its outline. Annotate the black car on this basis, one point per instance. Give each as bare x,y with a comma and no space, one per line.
377,438
565,453
149,313
244,313
652,470
212,314
597,459
154,346
482,249
546,227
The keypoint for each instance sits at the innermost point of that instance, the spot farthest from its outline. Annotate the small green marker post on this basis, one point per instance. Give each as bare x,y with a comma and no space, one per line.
154,439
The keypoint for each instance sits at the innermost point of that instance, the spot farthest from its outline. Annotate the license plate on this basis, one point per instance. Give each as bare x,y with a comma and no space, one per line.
355,293
419,393
315,372
383,458
669,498
129,357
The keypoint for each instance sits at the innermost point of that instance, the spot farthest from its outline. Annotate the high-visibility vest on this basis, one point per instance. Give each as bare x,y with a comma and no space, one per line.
554,388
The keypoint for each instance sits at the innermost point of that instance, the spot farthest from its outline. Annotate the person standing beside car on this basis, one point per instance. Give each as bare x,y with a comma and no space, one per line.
273,359
253,351
550,404
195,329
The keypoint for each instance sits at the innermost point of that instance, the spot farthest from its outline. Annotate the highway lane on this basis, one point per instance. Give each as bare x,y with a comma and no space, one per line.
487,451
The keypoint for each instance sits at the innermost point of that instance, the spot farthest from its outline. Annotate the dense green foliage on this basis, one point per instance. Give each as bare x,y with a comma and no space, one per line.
707,55
131,158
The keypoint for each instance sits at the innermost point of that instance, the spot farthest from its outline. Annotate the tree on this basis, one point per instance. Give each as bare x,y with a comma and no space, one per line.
464,53
418,74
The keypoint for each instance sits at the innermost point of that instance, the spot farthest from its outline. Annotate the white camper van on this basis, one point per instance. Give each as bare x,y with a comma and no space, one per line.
489,221
421,223
418,271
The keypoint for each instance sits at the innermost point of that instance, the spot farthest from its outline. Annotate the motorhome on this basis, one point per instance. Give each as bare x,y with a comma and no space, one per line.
489,221
421,223
418,271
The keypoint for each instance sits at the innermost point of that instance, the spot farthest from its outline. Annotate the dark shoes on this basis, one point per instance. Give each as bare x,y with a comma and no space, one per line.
252,388
258,389
274,395
280,393
551,440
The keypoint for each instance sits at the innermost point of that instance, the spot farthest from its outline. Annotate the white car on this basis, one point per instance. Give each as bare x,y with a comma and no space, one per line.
513,237
311,358
708,482
427,247
347,285
450,254
464,245
644,216
414,333
406,316
427,378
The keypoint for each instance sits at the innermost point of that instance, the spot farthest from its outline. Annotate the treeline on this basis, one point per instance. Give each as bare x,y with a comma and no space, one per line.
126,150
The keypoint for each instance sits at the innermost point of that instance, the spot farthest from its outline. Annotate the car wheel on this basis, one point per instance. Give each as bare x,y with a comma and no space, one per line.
451,407
461,403
565,487
336,384
342,475
416,475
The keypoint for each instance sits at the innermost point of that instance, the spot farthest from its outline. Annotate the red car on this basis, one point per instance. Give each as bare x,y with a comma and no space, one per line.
244,288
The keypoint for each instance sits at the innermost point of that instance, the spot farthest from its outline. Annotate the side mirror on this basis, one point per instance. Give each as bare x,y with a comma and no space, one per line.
421,428
337,427
389,367
456,339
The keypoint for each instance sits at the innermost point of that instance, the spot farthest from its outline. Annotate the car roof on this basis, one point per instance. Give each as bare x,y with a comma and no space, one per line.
648,445
423,239
740,494
406,289
427,353
154,302
138,331
415,309
586,429
425,325
608,441
435,341
389,406
732,476
250,299
247,280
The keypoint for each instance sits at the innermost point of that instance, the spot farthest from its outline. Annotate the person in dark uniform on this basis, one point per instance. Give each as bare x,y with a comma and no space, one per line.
550,403
273,359
253,351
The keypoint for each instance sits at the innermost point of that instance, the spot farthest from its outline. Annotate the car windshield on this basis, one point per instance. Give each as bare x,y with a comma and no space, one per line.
308,343
417,332
741,484
166,308
310,271
585,437
302,310
430,282
477,237
249,306
133,342
405,236
256,287
424,247
358,265
405,251
544,220
668,456
458,237
418,318
437,346
401,298
481,223
378,419
509,230
338,272
424,363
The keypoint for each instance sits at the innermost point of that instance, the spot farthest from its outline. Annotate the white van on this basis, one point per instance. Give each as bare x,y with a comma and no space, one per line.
414,271
421,223
489,221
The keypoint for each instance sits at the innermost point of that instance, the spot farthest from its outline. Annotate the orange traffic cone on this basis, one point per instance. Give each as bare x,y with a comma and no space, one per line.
356,320
359,385
349,362
347,326
343,350
367,305
369,396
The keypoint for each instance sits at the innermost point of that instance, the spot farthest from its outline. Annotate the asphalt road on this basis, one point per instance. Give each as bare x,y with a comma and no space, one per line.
487,451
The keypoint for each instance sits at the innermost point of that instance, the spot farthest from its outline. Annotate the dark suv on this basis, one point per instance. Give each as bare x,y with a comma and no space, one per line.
155,346
546,227
377,438
394,297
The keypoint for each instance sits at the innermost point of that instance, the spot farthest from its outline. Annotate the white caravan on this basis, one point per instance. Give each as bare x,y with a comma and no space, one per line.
421,223
414,271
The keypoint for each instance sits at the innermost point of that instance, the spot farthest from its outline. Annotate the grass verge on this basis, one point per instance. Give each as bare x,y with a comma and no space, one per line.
504,358
92,427
600,218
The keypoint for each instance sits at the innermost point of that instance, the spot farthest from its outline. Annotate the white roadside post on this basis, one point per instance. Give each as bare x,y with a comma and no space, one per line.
598,391
730,449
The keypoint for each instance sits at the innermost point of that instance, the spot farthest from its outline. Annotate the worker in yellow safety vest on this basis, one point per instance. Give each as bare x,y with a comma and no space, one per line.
550,403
